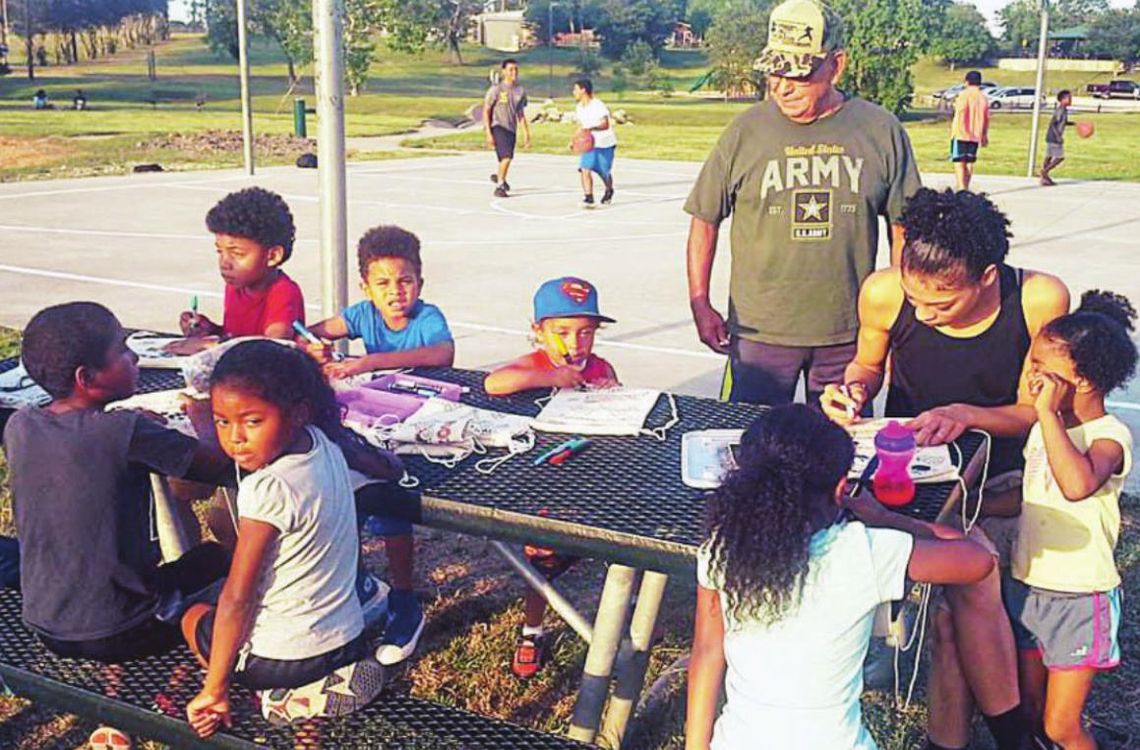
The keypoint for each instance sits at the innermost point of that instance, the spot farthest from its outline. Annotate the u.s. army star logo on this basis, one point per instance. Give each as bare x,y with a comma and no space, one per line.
811,215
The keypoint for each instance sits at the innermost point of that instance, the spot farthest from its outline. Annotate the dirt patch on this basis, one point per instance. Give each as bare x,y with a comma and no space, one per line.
23,153
226,141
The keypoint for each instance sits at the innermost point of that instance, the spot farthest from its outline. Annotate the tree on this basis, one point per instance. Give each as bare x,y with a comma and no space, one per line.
623,22
1020,23
702,14
883,39
734,41
964,37
1116,35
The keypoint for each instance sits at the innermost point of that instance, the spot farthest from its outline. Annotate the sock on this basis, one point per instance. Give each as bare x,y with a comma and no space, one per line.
1011,731
932,746
529,632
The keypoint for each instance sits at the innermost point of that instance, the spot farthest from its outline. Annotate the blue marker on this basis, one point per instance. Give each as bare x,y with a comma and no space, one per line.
311,337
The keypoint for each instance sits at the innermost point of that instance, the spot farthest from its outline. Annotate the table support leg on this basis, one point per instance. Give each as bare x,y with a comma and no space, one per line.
553,596
613,609
631,670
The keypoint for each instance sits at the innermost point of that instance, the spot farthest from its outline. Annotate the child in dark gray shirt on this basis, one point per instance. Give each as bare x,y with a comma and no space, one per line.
89,568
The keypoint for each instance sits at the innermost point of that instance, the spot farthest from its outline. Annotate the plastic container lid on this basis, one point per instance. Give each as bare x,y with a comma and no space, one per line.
894,438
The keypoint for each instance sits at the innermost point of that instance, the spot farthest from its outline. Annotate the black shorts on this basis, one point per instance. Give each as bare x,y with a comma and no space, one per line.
963,151
258,673
504,142
198,569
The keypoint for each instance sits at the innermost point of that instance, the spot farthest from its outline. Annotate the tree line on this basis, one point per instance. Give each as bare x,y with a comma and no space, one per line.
67,31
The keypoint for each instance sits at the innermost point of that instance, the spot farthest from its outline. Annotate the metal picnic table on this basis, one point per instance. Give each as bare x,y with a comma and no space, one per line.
621,501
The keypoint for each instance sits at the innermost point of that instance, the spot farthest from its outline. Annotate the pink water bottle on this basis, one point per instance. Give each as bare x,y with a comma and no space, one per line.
894,447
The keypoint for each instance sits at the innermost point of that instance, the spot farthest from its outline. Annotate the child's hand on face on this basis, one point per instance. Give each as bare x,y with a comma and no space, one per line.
1049,392
566,377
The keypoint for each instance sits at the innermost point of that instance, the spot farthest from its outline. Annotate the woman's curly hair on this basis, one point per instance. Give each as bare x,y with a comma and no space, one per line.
256,214
953,234
761,520
1096,338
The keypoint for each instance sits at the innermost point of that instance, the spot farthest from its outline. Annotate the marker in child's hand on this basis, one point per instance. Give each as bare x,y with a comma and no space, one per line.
311,337
560,345
195,322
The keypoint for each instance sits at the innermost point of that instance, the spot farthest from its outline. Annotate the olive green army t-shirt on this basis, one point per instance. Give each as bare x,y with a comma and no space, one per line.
805,202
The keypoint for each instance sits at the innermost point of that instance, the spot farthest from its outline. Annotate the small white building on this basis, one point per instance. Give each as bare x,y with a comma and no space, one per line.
504,31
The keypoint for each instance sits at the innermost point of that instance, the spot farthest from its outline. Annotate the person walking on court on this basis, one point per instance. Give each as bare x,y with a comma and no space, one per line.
806,174
970,129
504,113
594,119
1055,137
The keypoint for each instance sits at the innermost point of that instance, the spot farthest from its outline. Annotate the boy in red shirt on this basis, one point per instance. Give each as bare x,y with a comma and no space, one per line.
566,318
253,233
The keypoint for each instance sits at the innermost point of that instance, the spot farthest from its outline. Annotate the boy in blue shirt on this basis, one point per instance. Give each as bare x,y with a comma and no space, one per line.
398,330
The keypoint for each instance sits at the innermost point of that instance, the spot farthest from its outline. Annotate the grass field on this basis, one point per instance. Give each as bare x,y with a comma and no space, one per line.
129,114
472,601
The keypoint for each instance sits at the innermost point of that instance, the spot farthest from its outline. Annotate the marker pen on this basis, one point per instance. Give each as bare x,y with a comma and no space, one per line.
311,337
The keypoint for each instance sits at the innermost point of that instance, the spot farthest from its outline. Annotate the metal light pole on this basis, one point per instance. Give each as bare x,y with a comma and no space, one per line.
243,75
1042,53
550,49
4,29
328,25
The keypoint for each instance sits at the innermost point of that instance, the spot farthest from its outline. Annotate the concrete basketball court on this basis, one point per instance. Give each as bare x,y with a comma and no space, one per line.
138,244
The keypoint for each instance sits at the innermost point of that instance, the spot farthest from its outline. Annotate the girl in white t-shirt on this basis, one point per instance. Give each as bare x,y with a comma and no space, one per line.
288,616
789,587
1064,594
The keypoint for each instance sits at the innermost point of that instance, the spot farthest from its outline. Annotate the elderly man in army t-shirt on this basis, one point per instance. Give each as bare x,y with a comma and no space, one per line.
805,176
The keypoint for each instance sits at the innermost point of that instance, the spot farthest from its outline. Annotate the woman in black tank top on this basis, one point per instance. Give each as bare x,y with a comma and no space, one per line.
930,369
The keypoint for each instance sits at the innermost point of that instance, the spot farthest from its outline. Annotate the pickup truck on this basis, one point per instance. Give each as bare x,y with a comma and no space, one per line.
1114,90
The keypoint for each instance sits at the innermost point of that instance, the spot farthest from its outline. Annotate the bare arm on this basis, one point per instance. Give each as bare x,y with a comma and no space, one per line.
1077,474
517,376
706,671
232,621
700,253
437,355
898,239
880,300
279,331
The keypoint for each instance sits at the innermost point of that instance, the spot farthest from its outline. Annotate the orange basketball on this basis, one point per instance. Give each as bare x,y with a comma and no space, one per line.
1085,129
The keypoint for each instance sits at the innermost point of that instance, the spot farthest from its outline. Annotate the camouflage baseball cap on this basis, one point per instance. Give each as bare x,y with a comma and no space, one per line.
800,34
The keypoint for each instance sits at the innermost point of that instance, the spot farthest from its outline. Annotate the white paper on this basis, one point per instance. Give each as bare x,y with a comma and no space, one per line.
17,389
165,404
152,352
931,463
602,411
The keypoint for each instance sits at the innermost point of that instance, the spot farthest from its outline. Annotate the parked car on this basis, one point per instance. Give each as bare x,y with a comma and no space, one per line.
951,93
1115,90
1012,97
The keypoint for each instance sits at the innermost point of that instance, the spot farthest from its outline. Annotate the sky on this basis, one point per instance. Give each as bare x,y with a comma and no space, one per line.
989,9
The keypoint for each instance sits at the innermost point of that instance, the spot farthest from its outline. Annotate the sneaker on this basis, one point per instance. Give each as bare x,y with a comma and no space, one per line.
405,625
506,186
501,191
374,595
108,738
345,690
530,654
608,196
588,201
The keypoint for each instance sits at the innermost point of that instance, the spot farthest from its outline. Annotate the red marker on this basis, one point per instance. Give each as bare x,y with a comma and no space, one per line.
565,455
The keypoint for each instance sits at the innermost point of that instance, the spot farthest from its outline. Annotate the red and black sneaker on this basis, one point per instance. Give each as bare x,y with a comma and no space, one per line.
530,654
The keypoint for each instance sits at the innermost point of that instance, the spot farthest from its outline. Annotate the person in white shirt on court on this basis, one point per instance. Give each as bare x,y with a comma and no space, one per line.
594,119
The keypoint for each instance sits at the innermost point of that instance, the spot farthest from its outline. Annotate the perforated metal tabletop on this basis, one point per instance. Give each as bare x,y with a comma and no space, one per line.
621,500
